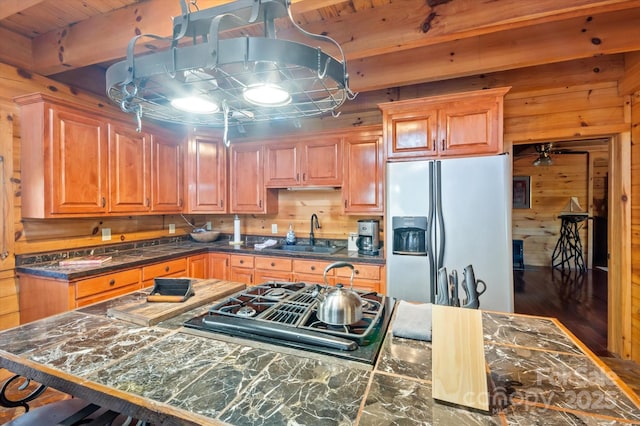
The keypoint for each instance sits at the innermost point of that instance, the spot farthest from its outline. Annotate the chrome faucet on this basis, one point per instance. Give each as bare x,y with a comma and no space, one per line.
312,237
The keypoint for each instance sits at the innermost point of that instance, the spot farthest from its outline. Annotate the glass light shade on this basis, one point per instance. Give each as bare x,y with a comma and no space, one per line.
543,160
195,105
267,95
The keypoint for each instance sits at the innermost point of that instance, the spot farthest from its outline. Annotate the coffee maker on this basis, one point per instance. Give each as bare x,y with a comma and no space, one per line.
368,241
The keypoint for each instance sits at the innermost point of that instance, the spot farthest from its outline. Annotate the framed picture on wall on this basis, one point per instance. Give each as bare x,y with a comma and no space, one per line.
521,192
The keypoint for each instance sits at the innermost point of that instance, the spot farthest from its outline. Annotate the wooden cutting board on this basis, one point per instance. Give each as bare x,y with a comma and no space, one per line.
151,313
459,371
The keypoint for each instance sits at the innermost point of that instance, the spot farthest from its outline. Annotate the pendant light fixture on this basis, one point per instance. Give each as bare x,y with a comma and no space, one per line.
216,72
544,159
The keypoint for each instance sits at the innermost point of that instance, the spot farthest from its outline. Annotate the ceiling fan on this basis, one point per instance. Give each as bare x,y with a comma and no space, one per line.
543,153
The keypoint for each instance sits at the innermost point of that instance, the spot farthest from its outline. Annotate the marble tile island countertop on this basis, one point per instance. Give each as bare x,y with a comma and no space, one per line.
173,376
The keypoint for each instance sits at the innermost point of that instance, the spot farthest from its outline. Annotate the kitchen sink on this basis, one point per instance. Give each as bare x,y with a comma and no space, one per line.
308,248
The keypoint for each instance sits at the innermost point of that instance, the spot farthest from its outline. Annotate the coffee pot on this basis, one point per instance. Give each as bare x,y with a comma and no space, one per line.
368,241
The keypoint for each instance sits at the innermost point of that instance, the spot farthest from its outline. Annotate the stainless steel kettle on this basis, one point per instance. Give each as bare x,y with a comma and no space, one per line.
339,305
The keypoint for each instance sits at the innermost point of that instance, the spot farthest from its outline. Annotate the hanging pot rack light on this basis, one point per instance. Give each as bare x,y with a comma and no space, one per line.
230,76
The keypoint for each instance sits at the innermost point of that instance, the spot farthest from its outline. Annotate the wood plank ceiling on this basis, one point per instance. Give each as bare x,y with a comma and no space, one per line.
387,43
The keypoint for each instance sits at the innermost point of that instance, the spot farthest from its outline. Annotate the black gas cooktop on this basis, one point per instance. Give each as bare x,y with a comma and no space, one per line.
284,314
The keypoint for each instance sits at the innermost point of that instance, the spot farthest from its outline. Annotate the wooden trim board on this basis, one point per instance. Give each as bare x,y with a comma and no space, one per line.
148,314
458,363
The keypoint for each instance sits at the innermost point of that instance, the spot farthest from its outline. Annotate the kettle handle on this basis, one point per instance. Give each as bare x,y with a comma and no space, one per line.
339,265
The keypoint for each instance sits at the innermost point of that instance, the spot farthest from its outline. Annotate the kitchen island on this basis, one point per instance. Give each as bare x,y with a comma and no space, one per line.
171,375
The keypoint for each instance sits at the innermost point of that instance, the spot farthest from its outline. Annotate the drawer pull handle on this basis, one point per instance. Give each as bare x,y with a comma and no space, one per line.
313,268
357,272
273,264
166,269
112,282
242,262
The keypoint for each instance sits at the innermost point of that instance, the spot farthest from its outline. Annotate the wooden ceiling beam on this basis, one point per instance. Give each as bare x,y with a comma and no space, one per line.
523,47
413,23
373,31
15,49
11,7
104,38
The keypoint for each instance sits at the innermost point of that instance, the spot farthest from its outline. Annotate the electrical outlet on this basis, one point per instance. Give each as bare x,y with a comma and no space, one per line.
208,226
106,234
274,228
172,228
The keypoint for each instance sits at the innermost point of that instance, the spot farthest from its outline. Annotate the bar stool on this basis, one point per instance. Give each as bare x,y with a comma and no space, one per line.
70,412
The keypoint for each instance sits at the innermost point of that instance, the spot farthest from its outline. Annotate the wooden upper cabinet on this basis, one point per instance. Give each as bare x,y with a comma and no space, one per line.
248,193
363,189
63,159
206,174
310,162
129,169
463,124
167,178
411,133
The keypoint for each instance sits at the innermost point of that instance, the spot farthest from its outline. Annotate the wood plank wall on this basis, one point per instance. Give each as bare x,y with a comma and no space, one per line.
635,227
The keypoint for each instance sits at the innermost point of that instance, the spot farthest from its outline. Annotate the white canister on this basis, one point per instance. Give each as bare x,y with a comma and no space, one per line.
351,242
236,230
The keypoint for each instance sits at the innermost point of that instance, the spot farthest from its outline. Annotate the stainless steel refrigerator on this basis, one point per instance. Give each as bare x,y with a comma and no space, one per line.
467,206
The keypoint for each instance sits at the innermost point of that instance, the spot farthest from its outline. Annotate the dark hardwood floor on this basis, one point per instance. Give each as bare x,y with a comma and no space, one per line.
579,301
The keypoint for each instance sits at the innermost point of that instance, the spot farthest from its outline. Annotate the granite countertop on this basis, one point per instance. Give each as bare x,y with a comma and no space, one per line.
171,375
131,255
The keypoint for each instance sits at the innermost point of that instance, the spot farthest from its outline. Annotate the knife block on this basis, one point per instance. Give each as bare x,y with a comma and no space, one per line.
459,371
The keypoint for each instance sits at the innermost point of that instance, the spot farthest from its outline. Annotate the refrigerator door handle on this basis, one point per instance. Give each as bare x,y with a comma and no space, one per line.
440,233
429,240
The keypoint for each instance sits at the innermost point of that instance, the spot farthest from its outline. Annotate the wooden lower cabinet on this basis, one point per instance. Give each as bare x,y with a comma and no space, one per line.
312,272
170,269
198,266
241,269
219,266
272,269
366,277
41,297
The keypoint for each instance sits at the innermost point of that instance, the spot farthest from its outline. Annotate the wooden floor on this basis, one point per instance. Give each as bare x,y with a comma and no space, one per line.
579,301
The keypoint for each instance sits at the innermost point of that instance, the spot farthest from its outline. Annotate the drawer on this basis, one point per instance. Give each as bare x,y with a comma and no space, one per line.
106,295
109,282
238,261
273,264
165,268
369,272
312,267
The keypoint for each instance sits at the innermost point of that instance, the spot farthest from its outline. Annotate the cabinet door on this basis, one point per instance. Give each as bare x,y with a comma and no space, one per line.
198,266
166,174
247,190
322,162
79,162
207,175
282,165
129,169
219,266
411,134
241,275
363,188
470,127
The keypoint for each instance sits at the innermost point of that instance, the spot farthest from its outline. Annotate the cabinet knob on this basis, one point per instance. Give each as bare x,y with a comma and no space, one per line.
357,272
313,268
242,262
166,269
112,281
273,264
